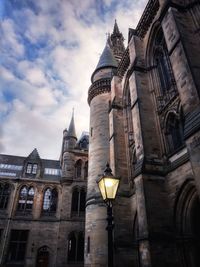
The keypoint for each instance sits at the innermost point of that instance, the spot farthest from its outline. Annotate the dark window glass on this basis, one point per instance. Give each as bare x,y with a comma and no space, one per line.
80,245
4,195
31,168
78,167
34,168
164,71
166,85
82,200
88,245
26,198
75,200
17,246
76,247
50,201
78,202
174,132
72,248
86,170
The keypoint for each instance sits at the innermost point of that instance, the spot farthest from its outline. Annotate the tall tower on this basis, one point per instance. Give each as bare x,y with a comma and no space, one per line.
98,99
67,158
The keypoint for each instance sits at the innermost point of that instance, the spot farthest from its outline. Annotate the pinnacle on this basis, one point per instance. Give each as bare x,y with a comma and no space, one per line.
71,131
116,28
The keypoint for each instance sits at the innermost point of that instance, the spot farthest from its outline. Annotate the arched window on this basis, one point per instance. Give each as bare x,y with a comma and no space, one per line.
26,197
76,247
78,168
174,132
4,195
163,67
50,201
187,220
86,170
166,85
78,202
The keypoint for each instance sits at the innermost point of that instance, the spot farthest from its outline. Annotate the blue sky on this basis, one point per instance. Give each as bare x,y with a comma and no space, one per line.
48,51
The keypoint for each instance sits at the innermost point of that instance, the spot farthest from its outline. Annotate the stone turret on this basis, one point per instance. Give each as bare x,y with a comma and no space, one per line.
68,144
98,99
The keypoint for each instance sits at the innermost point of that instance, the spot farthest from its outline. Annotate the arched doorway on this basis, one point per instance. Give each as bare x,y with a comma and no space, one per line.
187,219
43,257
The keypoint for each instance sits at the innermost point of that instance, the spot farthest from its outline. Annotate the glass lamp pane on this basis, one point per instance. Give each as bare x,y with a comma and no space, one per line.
102,188
111,187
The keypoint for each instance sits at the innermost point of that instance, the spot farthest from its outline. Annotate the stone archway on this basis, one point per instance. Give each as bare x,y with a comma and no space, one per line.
187,221
42,257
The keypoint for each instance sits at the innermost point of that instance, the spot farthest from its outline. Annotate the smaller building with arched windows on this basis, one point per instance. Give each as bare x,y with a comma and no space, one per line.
42,207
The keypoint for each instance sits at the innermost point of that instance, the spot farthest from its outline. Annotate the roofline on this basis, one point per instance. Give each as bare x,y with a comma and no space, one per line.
100,68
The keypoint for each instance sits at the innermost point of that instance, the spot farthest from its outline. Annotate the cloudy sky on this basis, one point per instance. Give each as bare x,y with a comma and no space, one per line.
48,51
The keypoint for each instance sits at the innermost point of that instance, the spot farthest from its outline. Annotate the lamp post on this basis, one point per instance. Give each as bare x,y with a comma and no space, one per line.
108,185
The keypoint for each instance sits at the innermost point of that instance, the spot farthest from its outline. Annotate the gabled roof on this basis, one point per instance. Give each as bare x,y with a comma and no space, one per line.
34,154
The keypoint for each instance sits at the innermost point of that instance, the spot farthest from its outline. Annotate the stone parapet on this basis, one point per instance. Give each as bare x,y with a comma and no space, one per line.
99,87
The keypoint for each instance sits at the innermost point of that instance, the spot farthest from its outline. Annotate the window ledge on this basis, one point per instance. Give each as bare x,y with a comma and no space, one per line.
178,153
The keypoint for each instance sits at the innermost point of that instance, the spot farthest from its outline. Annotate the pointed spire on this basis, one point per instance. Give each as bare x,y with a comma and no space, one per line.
107,59
117,42
116,29
71,131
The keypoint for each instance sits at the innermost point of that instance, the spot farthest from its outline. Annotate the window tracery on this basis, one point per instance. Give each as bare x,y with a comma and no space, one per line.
78,169
31,168
165,79
129,132
50,201
4,195
174,131
86,170
76,247
26,198
78,202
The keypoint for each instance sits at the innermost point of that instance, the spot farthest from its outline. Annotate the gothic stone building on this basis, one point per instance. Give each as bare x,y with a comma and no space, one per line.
145,121
42,206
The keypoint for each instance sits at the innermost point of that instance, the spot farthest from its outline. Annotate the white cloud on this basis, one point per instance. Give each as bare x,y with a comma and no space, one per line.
69,36
10,41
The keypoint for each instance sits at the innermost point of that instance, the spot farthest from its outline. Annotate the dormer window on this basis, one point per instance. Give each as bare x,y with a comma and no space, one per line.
31,168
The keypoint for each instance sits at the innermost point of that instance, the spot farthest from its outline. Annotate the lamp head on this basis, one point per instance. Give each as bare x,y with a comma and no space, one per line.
108,185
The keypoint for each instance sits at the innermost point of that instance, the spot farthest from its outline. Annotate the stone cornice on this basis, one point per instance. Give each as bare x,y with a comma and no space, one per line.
99,87
147,18
123,64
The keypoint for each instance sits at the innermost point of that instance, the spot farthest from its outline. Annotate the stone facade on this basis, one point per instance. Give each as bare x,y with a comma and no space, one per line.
145,123
42,206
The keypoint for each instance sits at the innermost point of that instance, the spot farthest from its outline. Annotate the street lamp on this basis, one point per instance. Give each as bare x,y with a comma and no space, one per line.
108,185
